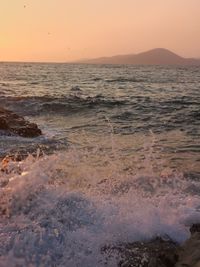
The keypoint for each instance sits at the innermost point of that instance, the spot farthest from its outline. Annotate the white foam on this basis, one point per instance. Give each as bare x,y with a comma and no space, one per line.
66,207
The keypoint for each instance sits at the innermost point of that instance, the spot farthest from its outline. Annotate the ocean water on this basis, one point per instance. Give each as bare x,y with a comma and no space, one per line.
118,161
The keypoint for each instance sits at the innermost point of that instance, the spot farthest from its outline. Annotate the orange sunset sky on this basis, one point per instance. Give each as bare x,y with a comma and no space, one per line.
65,30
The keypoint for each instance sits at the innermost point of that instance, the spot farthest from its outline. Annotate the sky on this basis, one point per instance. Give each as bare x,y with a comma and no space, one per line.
67,30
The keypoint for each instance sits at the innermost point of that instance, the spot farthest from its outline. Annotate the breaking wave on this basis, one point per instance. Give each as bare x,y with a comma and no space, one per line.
65,207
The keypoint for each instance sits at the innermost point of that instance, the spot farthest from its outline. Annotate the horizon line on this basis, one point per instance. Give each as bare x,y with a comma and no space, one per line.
78,61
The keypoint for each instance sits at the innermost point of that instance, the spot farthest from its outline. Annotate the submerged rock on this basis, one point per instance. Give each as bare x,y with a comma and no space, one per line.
11,123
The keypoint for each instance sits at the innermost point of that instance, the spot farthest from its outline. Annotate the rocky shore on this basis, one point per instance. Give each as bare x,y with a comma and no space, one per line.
13,124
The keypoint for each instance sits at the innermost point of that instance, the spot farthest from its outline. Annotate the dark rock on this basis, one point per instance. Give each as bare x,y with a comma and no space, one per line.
189,253
155,253
11,123
158,252
195,228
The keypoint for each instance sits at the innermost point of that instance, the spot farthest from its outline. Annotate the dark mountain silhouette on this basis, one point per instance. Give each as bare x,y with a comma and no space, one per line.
157,56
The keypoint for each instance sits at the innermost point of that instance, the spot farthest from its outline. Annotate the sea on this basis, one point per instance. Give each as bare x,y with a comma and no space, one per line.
118,161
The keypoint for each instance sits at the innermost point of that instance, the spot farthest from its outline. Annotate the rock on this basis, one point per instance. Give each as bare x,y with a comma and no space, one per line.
11,123
155,253
159,253
189,253
195,228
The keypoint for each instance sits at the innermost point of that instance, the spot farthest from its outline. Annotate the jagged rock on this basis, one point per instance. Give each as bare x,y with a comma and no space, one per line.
189,253
11,123
158,252
155,253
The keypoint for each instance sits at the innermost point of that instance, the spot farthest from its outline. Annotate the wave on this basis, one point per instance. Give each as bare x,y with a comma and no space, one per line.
129,114
65,207
33,105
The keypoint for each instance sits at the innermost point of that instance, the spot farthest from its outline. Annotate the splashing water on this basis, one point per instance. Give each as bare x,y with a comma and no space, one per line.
60,210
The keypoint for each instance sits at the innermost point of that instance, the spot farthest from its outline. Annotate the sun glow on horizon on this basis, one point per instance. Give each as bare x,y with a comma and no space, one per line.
66,30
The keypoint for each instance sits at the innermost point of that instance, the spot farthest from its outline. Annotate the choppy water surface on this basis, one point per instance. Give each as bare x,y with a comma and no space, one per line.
122,147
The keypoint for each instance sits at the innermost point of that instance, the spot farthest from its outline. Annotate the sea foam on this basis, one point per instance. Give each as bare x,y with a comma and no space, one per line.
61,210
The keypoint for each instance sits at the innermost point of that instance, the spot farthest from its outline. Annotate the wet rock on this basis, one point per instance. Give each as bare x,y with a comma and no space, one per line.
11,123
189,253
155,253
158,252
195,228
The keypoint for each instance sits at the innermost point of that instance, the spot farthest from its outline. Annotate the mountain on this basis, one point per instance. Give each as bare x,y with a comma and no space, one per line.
157,56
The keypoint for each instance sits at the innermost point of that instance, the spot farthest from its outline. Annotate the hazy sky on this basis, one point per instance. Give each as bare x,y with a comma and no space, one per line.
64,30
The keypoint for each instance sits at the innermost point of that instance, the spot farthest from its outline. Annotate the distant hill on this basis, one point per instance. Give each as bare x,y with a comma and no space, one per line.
157,56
